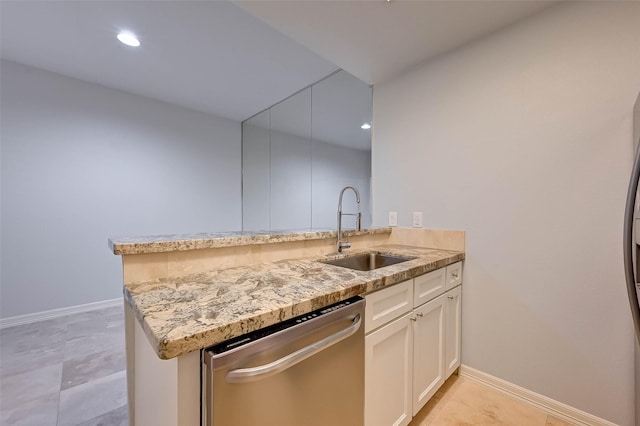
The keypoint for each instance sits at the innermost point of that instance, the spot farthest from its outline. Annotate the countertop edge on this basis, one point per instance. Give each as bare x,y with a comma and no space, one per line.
184,242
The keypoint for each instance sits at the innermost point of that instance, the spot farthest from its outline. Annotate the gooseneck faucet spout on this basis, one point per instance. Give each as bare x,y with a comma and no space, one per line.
342,244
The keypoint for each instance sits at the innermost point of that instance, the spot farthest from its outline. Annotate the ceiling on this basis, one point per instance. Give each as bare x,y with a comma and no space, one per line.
210,56
378,40
217,57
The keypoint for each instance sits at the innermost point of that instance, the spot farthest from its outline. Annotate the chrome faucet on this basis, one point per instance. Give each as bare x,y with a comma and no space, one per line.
342,244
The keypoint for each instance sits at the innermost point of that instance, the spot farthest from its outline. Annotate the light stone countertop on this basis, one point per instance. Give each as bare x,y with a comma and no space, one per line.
184,314
181,242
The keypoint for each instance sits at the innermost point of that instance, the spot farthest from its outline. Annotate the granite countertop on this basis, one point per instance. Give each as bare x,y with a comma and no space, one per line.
184,314
181,242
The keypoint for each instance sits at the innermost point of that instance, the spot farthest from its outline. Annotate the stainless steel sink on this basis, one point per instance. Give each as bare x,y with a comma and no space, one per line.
367,261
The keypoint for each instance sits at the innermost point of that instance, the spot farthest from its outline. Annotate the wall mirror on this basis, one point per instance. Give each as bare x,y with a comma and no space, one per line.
298,155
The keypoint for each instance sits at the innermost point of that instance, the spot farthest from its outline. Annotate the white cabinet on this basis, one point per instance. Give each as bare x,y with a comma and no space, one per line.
454,275
387,374
428,286
453,306
412,344
428,351
385,305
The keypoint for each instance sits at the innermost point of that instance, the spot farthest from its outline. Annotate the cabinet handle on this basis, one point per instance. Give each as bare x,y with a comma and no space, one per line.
413,318
420,314
454,274
450,297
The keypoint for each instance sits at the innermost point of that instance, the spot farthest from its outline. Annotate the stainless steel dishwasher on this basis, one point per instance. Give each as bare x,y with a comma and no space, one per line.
305,371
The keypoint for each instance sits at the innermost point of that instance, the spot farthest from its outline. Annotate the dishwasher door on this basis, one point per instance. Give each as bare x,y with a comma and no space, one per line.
308,370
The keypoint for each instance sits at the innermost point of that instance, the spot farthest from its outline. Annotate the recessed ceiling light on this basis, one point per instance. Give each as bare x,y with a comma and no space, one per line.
129,39
365,126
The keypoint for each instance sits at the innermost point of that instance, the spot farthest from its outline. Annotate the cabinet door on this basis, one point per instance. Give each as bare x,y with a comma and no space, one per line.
453,305
387,374
428,351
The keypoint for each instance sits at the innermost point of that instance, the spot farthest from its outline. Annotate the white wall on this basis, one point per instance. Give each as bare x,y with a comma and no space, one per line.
523,139
81,163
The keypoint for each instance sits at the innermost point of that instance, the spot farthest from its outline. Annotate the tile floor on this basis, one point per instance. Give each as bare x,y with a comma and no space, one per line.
462,402
70,371
66,371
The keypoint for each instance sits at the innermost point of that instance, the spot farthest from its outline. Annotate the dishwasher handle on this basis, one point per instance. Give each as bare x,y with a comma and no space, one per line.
242,375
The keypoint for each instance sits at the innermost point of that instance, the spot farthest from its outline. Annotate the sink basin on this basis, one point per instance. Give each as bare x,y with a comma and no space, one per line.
367,261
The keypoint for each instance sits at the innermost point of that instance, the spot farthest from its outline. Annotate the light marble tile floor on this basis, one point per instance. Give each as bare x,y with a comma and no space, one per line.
65,371
461,402
71,371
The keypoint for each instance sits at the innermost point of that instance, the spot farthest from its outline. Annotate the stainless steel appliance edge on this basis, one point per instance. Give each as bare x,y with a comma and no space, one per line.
631,251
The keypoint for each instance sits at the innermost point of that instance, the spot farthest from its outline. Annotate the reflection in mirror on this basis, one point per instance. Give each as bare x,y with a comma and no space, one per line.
291,162
299,154
341,149
256,171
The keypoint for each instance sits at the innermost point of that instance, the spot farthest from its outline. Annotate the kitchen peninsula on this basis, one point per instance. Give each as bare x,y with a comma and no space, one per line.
184,293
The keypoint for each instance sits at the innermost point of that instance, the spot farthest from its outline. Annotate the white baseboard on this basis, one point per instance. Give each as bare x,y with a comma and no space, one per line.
551,406
55,313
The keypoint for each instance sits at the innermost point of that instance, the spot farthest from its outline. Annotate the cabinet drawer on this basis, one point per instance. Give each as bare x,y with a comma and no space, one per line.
454,275
428,286
387,304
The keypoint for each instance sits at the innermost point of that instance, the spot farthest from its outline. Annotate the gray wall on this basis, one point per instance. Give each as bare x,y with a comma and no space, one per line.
523,139
80,163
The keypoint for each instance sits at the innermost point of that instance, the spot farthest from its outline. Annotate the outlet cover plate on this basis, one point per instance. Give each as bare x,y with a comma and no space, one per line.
417,219
393,218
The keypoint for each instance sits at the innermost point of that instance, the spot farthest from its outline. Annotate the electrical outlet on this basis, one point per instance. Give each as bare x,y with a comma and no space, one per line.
393,218
417,219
